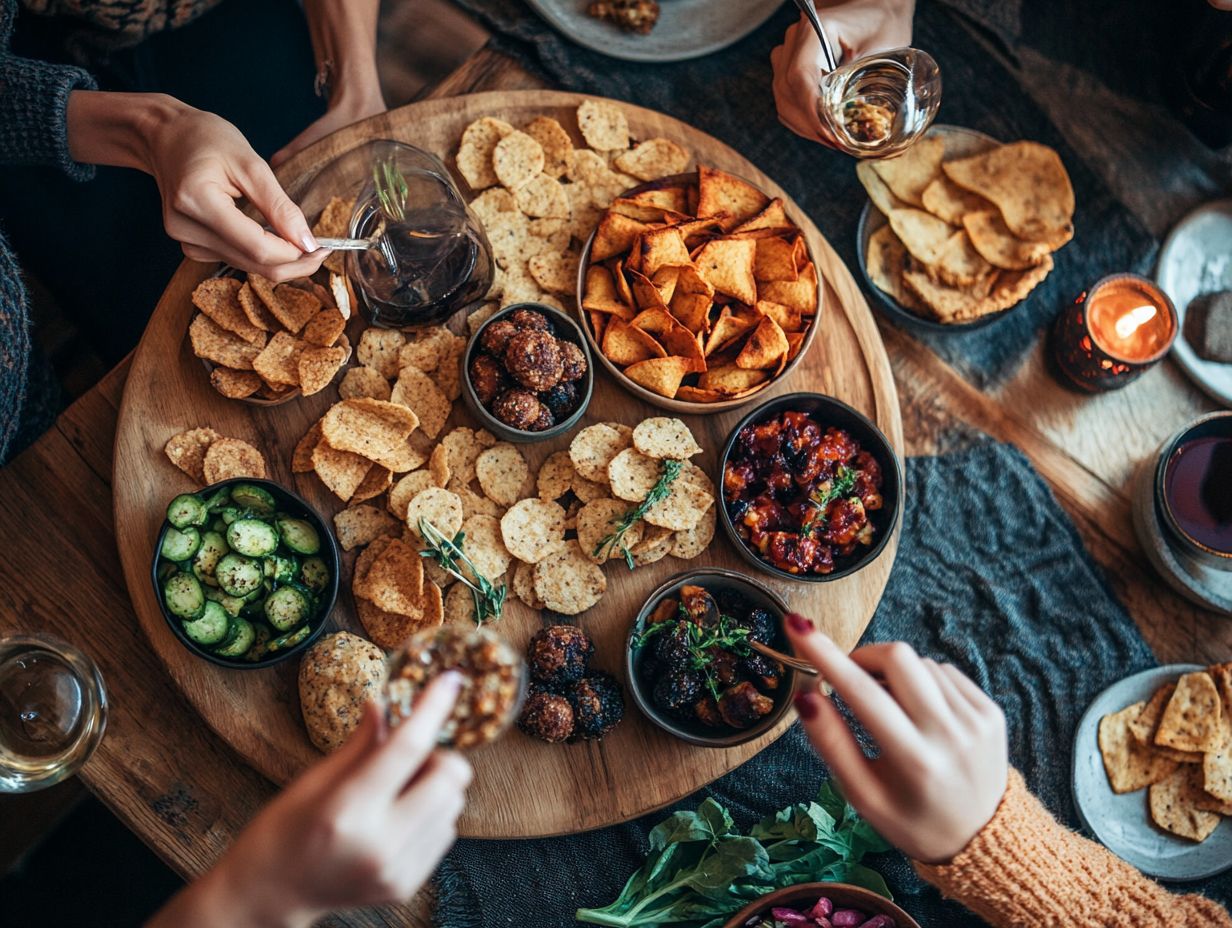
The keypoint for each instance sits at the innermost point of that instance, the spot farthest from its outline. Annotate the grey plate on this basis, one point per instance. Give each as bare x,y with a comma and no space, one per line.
1196,257
1123,823
686,28
960,142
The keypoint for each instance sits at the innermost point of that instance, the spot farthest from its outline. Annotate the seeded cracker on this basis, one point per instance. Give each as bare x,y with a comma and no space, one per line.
691,542
523,584
586,490
379,349
542,196
568,582
440,507
554,141
593,448
555,271
555,476
503,473
517,160
406,489
364,381
532,528
361,525
214,343
633,475
460,605
599,519
417,391
663,438
474,158
187,451
603,125
229,457
484,546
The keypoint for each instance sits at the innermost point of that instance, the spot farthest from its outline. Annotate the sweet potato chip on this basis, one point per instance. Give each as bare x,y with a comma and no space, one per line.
765,349
600,294
615,236
719,192
624,344
727,265
660,375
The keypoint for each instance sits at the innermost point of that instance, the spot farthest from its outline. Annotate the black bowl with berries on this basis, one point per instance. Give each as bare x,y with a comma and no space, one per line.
811,488
527,373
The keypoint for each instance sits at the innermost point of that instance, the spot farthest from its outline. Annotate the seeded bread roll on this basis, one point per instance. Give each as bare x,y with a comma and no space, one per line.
1208,326
337,676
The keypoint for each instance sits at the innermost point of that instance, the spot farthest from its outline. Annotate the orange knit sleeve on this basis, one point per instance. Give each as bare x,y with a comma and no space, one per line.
1025,868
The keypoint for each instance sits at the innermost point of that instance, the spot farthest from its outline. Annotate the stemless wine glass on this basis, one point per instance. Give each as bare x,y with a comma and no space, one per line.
53,709
876,106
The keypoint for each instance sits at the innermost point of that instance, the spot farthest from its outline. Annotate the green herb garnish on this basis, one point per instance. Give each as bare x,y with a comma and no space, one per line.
489,599
726,635
702,868
659,492
391,189
841,485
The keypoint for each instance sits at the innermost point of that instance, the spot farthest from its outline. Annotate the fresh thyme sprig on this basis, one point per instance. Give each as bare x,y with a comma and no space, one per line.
391,189
841,485
659,492
489,599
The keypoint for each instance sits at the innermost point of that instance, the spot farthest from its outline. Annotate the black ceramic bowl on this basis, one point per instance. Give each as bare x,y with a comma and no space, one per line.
805,895
565,328
292,504
1215,425
827,411
714,580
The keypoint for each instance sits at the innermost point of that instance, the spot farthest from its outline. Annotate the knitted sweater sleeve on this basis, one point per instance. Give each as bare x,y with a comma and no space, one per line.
1025,868
34,105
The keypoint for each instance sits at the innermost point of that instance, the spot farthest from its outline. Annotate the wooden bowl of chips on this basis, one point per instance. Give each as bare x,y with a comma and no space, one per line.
729,306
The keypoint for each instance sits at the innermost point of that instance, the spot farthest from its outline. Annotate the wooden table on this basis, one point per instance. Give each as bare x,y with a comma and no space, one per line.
181,789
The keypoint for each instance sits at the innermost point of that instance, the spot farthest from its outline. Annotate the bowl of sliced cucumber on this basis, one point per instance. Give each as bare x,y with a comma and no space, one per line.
246,572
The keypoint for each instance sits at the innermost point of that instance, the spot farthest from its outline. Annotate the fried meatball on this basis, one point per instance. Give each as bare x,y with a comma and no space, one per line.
527,320
742,705
545,421
598,706
559,655
677,690
487,377
572,361
496,335
672,647
562,399
518,409
546,716
532,358
760,623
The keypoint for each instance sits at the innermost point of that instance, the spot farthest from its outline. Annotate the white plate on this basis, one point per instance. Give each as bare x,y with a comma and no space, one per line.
1196,258
686,28
1123,823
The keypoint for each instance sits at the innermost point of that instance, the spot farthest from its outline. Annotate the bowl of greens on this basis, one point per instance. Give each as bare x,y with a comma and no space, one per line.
245,572
808,905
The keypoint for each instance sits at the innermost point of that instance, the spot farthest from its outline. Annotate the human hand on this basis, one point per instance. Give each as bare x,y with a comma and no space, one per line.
343,111
366,825
857,28
943,764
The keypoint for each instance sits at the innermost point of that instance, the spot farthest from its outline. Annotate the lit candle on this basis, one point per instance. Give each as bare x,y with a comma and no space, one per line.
1114,332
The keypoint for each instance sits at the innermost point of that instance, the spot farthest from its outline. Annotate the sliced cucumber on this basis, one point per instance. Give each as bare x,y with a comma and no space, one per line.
314,574
282,569
299,536
218,500
165,570
232,604
286,607
289,640
183,595
256,499
180,544
229,514
211,628
206,579
252,537
213,548
258,649
240,637
238,575
185,510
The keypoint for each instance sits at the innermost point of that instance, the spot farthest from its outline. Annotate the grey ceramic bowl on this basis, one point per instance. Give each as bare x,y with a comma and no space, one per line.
843,895
565,328
714,579
828,412
296,506
1214,425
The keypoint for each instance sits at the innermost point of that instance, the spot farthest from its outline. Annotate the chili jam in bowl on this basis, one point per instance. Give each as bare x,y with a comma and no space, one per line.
811,488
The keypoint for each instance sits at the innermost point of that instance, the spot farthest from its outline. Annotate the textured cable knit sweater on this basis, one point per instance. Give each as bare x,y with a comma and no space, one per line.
1025,868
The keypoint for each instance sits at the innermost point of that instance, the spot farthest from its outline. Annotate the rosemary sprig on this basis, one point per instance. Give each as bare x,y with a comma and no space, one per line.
659,492
489,599
841,485
391,189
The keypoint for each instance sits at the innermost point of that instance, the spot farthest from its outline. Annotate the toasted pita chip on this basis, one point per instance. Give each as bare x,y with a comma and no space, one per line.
992,238
719,192
1173,803
727,265
255,309
660,375
1130,766
883,198
291,306
1192,718
1217,764
946,200
909,174
335,218
1029,185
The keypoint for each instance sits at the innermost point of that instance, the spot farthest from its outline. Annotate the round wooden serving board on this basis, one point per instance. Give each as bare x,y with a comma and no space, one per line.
523,787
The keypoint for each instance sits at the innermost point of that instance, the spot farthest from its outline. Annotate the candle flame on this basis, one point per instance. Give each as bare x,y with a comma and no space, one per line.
1133,320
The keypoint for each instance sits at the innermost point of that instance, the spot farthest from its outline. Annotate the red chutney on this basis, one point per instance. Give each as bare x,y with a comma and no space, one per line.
800,494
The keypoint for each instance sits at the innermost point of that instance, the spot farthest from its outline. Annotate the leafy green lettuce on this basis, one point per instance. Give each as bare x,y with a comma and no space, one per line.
701,868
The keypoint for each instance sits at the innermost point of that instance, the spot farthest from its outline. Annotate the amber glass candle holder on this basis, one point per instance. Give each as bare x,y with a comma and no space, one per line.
1113,333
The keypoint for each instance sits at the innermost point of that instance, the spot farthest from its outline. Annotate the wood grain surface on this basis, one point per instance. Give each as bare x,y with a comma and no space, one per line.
575,787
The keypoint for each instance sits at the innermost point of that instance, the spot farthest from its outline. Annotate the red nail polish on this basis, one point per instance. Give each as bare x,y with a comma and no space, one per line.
806,705
799,623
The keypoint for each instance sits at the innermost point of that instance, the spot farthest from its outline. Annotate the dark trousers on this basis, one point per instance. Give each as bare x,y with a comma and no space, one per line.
99,246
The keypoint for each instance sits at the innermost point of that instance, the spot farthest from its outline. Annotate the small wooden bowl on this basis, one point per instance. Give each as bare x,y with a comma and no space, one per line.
805,895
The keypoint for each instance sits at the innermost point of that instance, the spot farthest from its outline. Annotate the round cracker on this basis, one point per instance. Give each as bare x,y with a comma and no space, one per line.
532,528
474,158
440,507
460,605
406,489
517,160
484,546
379,348
226,458
596,521
652,159
555,476
555,271
186,450
632,475
663,437
593,448
567,581
652,548
503,473
542,196
523,585
586,490
684,506
461,447
603,125
418,392
554,141
491,203
693,541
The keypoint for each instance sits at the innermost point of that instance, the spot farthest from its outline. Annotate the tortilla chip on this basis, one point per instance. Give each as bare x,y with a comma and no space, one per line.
801,294
1029,185
766,347
600,294
1192,720
727,265
727,328
773,218
660,375
691,310
662,248
731,380
1130,766
1217,764
624,344
719,192
775,259
1173,802
909,174
615,236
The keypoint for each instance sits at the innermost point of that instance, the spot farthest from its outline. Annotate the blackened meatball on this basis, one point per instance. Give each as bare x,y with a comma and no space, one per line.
562,399
487,377
573,361
598,706
546,716
677,690
760,623
518,409
765,673
496,335
527,320
672,647
559,655
532,358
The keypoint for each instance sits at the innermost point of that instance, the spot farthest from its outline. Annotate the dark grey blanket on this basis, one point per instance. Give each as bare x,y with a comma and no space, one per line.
991,576
728,95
